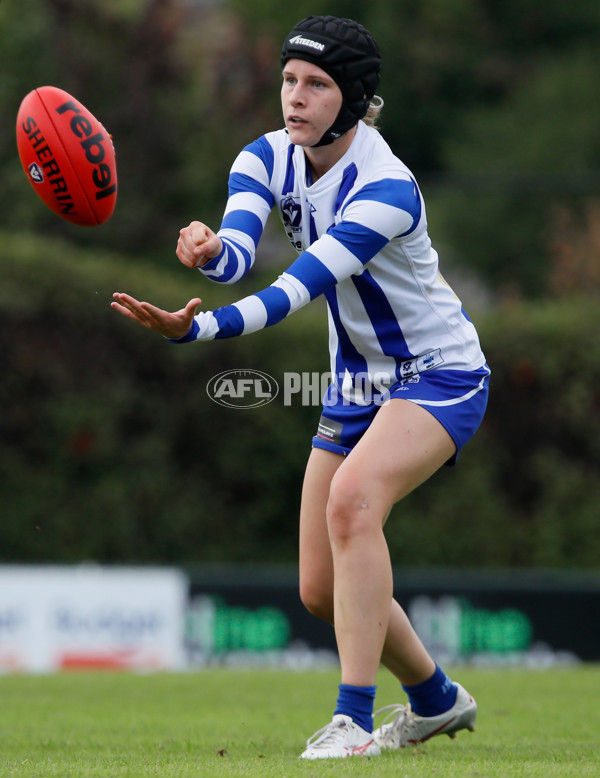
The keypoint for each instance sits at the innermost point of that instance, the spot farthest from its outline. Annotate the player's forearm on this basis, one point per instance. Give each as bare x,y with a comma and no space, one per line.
252,313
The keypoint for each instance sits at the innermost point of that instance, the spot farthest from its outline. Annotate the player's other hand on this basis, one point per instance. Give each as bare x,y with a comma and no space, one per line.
197,245
171,325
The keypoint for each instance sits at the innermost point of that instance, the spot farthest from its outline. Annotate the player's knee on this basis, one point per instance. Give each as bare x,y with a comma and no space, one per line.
317,600
351,513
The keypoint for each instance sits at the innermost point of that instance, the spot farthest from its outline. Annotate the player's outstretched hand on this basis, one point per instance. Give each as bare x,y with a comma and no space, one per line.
197,245
171,325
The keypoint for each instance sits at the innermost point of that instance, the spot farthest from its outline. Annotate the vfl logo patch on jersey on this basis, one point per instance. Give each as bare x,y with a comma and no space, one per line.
291,215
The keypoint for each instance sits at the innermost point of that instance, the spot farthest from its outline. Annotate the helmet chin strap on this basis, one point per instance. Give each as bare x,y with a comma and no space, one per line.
348,117
328,138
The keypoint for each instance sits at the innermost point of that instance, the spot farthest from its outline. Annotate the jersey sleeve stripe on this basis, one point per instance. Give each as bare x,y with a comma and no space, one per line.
338,259
262,149
295,290
259,310
396,192
244,221
312,273
229,321
248,201
234,263
382,218
362,242
276,302
213,263
254,313
241,182
400,192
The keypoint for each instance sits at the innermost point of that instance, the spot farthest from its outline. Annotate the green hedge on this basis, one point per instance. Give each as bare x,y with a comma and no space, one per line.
111,450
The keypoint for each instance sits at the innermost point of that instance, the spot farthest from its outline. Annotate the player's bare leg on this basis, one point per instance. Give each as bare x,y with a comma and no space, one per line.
402,448
346,575
403,653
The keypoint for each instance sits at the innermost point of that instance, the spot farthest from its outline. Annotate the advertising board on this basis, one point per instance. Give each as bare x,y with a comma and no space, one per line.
55,618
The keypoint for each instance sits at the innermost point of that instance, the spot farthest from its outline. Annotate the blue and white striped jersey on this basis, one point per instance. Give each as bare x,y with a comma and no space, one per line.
361,234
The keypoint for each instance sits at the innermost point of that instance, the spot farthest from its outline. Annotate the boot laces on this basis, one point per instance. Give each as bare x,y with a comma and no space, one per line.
331,734
392,725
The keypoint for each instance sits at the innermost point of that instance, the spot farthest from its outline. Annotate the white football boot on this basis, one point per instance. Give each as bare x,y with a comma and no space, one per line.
340,738
402,728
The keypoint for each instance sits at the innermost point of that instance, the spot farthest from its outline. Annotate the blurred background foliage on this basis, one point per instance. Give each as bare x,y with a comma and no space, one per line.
109,447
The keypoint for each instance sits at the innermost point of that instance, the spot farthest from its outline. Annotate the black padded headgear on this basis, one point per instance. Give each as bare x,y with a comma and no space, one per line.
348,53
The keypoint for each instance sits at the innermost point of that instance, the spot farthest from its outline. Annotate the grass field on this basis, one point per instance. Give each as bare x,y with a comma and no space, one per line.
254,723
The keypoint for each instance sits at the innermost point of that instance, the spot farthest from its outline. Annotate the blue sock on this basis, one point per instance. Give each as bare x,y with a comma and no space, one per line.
357,702
434,696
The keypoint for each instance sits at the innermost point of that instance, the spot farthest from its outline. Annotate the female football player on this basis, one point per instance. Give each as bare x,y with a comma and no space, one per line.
410,381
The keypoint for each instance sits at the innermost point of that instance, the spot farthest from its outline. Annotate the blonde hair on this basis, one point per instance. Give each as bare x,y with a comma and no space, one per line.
373,111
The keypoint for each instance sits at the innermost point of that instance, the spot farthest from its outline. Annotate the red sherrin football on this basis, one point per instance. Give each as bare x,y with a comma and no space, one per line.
68,156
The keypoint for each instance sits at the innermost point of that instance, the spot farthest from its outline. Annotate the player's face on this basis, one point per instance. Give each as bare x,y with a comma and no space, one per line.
311,101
